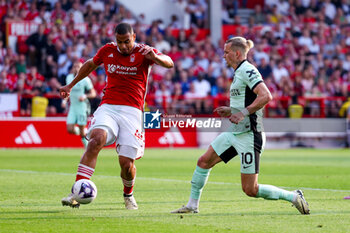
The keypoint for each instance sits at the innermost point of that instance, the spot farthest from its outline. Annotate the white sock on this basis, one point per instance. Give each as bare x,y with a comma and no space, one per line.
193,203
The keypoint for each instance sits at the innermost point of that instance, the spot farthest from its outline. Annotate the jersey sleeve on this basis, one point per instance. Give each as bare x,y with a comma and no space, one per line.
98,58
252,77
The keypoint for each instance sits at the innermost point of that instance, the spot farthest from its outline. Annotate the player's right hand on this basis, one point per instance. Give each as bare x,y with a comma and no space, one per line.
236,118
223,111
65,91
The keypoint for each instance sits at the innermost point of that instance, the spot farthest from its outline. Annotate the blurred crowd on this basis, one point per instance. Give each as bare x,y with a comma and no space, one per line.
302,49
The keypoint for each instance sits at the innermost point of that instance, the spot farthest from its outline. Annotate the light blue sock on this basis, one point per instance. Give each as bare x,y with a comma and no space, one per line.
270,192
199,179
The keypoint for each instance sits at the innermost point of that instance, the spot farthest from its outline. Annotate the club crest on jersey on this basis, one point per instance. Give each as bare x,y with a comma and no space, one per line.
132,57
111,68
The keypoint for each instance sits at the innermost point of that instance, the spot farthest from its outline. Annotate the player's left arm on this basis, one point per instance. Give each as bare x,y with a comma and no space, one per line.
263,97
159,59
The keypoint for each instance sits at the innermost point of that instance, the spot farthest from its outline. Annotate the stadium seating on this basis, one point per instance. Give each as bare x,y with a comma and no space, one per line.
302,51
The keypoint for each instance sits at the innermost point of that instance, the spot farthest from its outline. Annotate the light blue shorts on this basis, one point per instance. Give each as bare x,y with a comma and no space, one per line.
75,117
248,146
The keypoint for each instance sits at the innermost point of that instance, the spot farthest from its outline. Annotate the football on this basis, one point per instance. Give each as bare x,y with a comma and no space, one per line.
84,191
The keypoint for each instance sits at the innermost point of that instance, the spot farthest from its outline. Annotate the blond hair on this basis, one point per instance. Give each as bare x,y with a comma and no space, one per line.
240,43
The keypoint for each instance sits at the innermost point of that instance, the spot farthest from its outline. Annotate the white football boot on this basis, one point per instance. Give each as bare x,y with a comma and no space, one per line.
70,201
130,202
185,210
300,203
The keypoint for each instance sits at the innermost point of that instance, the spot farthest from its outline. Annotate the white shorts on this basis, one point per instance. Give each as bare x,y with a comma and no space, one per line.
123,125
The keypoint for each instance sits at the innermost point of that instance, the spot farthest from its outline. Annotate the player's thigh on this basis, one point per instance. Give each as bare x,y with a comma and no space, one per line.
223,146
249,146
104,118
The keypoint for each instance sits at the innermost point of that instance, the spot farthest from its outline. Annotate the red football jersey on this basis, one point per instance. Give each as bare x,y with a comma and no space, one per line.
126,75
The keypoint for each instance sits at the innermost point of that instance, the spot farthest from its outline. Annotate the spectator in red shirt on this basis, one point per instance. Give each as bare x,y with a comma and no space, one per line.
32,13
11,79
58,13
174,53
33,75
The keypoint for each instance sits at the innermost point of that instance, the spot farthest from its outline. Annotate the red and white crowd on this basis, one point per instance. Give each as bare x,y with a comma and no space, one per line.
302,49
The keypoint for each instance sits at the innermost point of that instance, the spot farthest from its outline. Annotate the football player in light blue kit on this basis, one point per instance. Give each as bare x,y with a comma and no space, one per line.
79,104
248,95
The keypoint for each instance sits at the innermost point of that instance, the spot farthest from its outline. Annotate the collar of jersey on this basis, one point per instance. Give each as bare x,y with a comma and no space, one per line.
132,48
240,64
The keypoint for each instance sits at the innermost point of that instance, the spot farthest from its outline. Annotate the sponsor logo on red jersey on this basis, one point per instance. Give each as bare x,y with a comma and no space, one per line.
111,68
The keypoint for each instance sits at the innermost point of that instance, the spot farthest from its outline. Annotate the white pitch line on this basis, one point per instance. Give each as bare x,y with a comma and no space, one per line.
160,179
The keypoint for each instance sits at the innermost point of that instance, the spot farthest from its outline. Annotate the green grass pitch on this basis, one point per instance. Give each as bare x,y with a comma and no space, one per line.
32,183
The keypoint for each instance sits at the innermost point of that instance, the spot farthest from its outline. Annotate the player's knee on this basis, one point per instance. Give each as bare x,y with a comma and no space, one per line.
208,159
203,162
70,131
249,190
97,142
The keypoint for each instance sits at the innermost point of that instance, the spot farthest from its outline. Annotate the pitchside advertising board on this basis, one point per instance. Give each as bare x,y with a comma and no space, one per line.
51,132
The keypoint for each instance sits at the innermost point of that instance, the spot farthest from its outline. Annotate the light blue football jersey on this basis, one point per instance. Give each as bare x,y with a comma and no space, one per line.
78,90
246,78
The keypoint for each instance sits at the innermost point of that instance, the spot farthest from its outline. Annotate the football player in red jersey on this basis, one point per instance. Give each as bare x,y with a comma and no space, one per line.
119,116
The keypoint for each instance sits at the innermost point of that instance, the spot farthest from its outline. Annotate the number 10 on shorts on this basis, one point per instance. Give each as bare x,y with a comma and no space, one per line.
247,159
